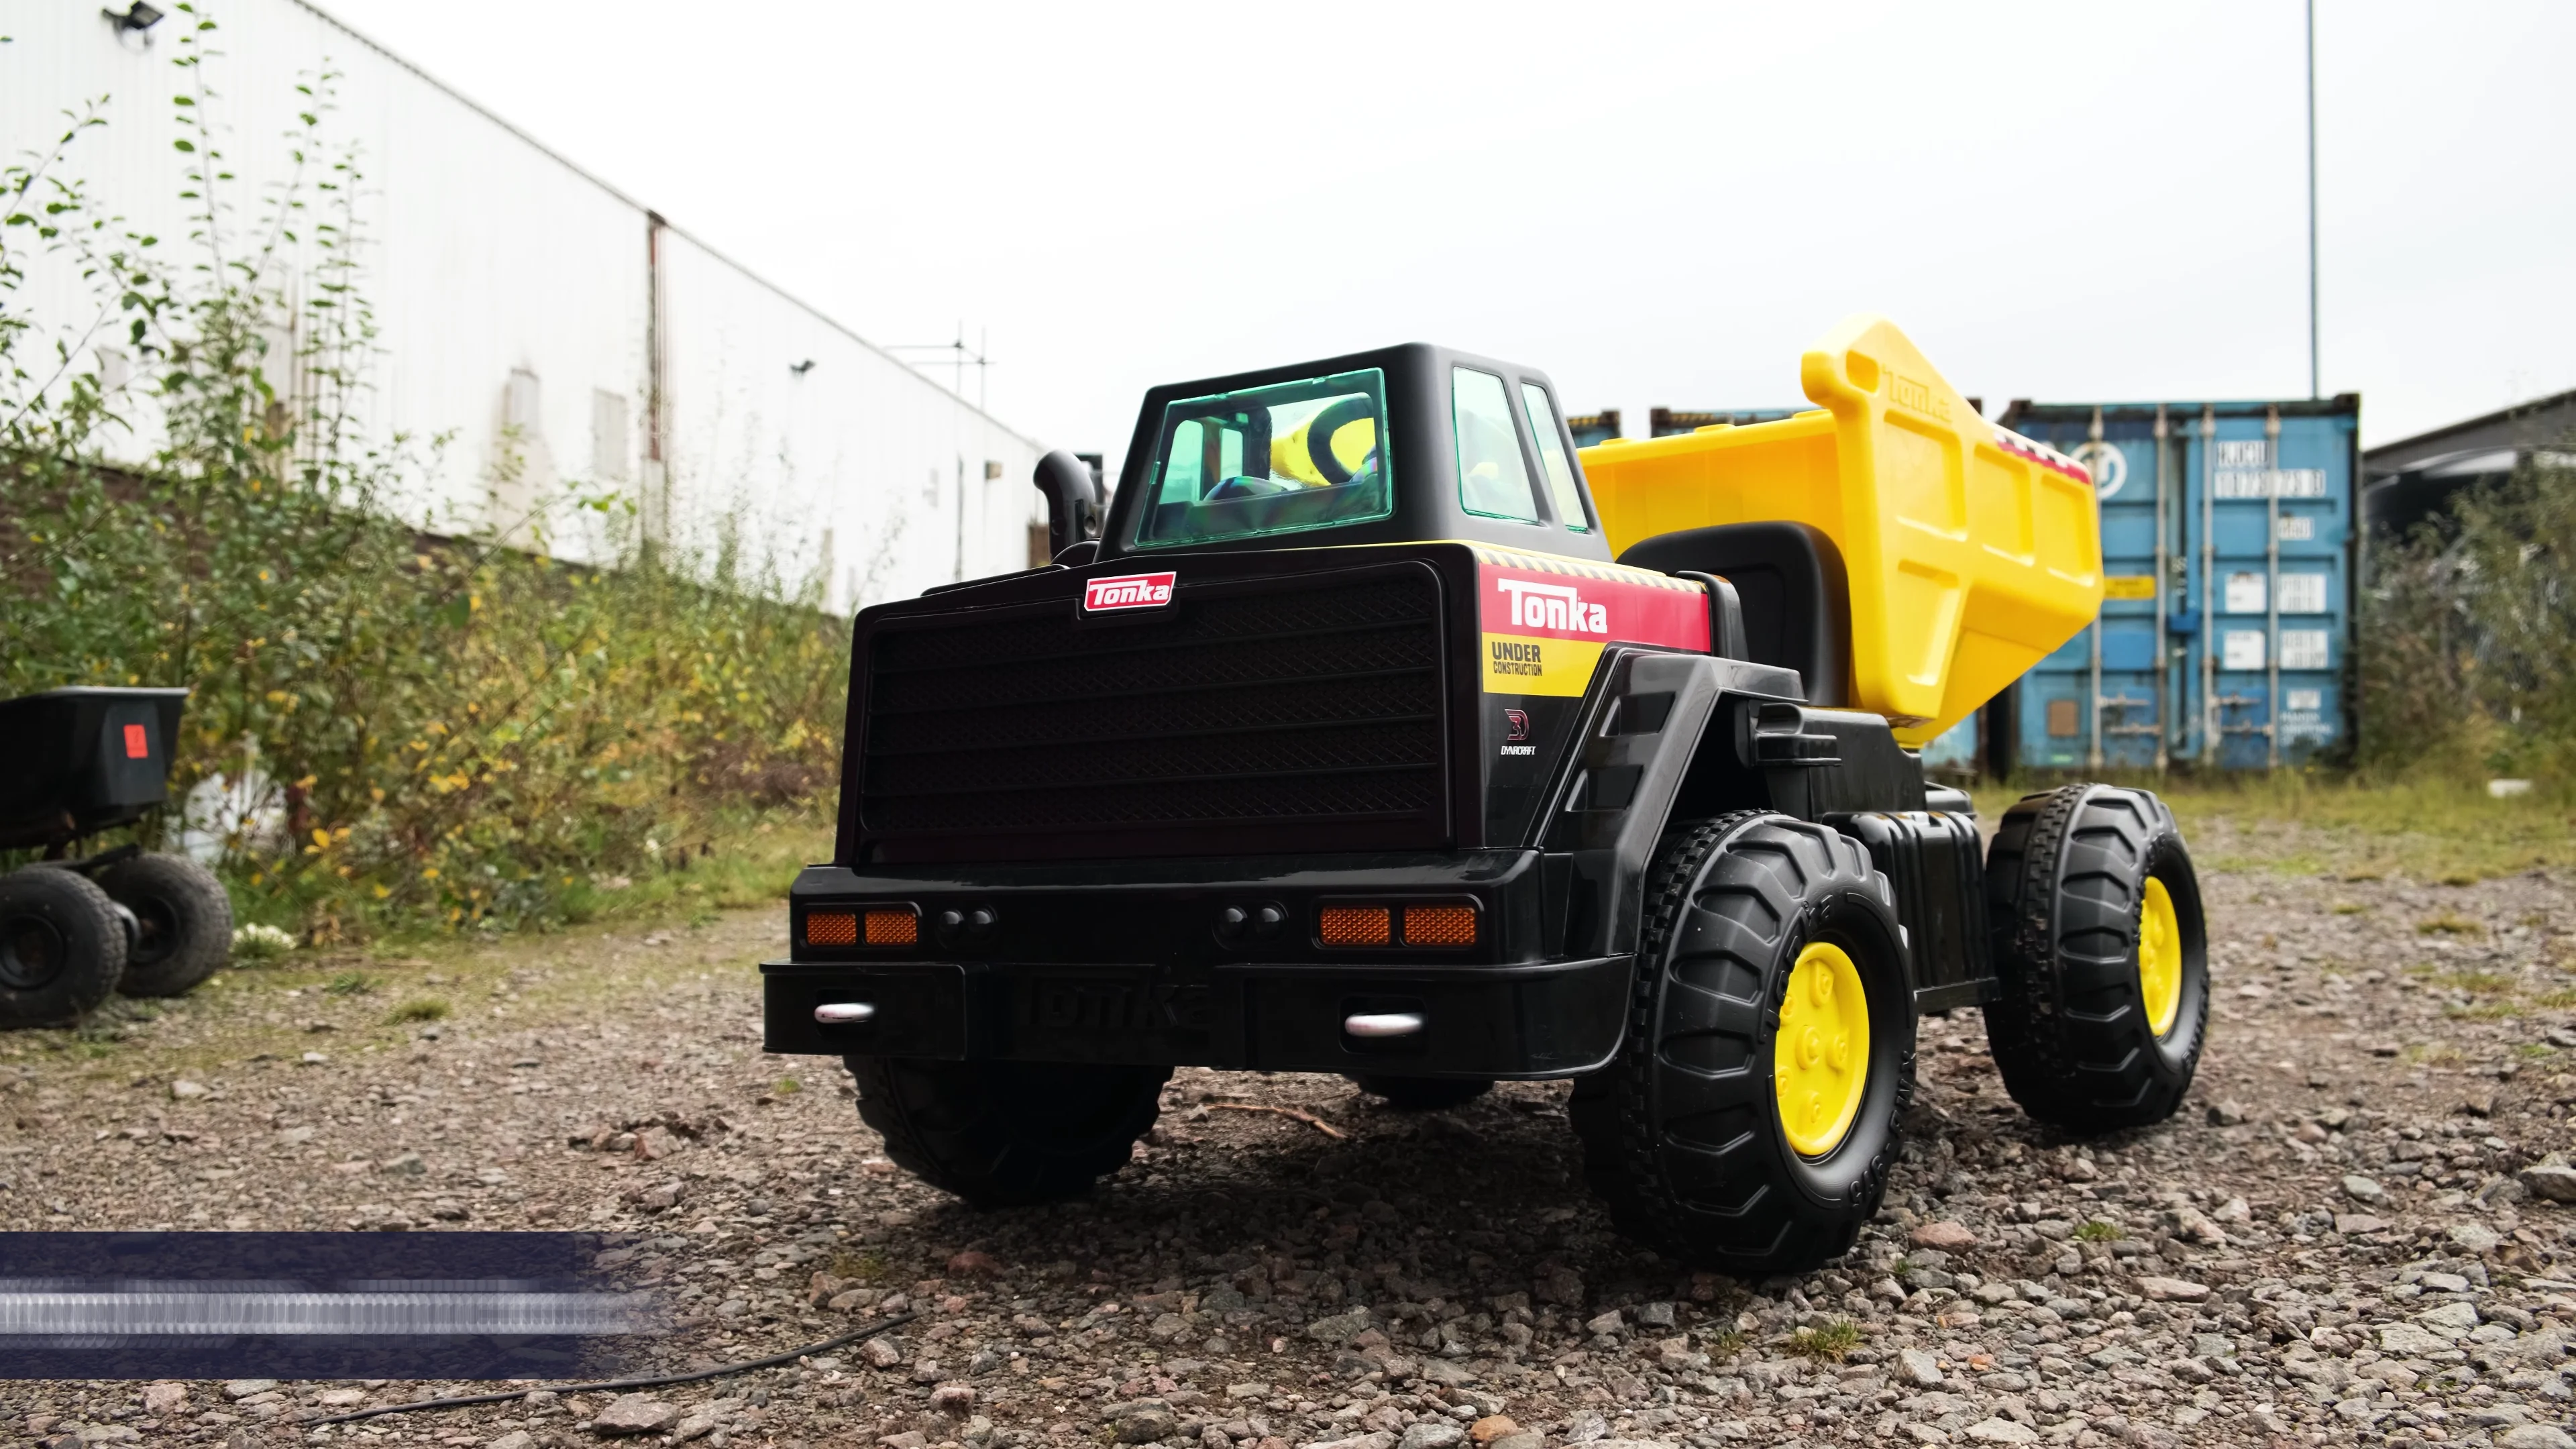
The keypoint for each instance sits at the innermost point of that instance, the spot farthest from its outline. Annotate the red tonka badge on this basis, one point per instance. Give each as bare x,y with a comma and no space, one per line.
1127,591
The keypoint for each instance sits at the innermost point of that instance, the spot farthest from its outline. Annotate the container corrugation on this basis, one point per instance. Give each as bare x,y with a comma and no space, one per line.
2229,547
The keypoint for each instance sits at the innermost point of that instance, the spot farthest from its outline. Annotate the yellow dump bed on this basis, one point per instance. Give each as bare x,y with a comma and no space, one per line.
1972,552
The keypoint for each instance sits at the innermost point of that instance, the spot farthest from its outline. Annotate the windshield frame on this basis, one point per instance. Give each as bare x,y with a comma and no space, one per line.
1271,515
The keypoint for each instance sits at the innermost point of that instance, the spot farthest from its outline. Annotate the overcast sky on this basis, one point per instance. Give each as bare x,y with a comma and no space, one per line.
1655,204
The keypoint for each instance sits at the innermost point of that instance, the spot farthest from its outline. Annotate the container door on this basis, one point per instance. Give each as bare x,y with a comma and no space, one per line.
2101,700
2270,516
2313,537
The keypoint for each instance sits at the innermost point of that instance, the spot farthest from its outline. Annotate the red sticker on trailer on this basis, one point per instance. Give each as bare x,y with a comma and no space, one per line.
1127,591
138,744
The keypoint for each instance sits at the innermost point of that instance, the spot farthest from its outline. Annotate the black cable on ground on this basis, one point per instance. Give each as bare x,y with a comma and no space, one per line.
773,1361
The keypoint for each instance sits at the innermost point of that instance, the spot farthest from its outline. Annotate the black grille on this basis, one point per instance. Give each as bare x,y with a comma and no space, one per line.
1311,701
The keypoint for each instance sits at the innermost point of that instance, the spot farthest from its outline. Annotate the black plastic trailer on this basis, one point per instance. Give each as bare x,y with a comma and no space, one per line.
74,928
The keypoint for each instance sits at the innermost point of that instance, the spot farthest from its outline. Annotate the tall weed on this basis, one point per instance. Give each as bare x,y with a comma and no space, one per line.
414,721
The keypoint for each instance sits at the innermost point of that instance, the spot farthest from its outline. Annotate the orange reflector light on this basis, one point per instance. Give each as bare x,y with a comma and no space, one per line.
831,928
1440,925
893,928
1356,926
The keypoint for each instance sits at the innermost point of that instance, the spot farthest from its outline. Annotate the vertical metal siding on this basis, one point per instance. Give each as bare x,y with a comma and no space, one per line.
504,277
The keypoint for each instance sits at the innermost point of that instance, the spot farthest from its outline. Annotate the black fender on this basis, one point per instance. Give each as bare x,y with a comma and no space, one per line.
1668,737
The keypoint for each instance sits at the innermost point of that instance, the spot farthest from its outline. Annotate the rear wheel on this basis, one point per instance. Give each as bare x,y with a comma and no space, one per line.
1424,1094
183,922
1001,1134
1749,1120
62,947
2103,954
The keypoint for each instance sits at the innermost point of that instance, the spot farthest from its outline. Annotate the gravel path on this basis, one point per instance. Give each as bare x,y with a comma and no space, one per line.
2349,1237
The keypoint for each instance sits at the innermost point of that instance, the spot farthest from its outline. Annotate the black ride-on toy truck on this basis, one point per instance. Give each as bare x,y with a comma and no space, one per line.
74,930
1376,734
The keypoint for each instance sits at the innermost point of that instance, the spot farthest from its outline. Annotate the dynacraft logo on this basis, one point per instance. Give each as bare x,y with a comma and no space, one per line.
1130,591
1553,606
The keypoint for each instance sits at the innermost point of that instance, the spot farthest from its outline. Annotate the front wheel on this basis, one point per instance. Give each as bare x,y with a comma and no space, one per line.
1004,1134
1750,1118
2103,954
62,947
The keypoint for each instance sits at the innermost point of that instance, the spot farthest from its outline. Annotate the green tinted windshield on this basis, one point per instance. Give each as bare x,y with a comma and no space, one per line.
1277,459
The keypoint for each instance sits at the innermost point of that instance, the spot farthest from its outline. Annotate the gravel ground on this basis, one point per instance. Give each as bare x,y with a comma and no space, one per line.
2352,1235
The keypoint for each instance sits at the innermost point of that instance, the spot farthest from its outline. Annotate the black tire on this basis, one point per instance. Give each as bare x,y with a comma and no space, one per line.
183,922
1003,1134
1424,1094
62,947
1682,1132
2066,881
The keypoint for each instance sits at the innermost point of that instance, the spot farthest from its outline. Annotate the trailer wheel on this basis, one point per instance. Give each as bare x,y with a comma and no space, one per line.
2103,954
1750,1118
183,922
1424,1094
62,947
1003,1134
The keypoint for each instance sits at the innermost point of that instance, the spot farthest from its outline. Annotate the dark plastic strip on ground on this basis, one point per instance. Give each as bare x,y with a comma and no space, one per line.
722,1370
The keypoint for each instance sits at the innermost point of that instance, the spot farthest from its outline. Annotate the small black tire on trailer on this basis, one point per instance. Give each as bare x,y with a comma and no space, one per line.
62,947
2102,951
1749,1120
1005,1134
183,922
1423,1094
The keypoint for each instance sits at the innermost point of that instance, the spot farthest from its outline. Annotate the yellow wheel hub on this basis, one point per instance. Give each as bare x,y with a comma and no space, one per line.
2159,958
1820,1059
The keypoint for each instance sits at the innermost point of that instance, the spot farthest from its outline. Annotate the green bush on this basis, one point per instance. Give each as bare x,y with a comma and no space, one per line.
460,729
2468,645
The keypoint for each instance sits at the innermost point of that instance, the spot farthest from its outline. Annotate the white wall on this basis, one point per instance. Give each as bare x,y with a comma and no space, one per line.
510,288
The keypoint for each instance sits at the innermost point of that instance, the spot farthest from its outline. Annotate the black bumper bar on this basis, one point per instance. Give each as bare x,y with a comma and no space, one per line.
1525,1021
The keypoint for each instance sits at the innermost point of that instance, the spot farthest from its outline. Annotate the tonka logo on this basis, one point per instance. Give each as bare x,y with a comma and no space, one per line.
1553,606
1128,591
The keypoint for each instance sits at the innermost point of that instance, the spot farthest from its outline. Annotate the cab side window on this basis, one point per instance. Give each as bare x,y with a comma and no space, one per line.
1492,478
1549,434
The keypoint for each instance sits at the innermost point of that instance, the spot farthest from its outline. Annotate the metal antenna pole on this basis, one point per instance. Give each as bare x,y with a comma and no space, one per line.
2316,386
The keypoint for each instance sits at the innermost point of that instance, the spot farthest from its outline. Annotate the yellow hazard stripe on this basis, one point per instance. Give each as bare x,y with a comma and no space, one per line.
1526,664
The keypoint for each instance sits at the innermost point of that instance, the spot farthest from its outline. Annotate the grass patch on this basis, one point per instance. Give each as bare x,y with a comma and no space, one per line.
1727,1344
2474,982
2096,1231
1828,1342
2351,908
2449,923
350,983
861,1267
786,1087
426,1008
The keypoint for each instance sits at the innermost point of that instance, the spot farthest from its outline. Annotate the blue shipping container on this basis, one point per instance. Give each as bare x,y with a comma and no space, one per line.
2228,540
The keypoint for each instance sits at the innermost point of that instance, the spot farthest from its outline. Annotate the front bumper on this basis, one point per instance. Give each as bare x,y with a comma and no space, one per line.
1552,1019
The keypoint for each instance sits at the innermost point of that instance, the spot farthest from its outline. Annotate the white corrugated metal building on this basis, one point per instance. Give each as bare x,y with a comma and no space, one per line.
525,305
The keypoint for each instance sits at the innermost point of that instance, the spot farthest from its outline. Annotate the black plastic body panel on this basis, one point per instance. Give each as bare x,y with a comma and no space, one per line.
1935,860
1789,580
